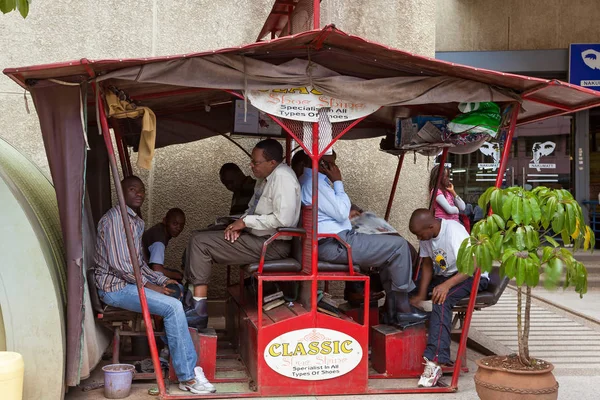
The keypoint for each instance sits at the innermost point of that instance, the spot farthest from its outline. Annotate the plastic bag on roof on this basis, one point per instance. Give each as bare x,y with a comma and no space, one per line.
477,118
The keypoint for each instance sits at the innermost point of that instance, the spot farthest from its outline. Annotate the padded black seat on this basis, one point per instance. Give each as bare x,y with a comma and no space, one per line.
284,265
491,295
331,267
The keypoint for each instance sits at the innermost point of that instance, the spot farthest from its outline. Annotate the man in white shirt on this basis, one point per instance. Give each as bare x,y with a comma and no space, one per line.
275,204
440,240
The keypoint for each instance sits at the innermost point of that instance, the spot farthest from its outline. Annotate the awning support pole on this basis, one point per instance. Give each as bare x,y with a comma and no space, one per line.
314,257
130,246
122,149
388,210
288,149
462,347
441,171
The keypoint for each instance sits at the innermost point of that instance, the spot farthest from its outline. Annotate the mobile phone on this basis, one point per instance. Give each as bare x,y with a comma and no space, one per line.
323,164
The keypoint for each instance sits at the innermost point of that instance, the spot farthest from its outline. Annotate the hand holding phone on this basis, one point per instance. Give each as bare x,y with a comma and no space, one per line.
330,170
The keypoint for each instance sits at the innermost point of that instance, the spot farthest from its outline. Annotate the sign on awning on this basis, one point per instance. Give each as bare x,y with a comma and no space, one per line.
303,104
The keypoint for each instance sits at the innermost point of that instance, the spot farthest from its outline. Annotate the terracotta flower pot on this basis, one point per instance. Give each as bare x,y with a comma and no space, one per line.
494,383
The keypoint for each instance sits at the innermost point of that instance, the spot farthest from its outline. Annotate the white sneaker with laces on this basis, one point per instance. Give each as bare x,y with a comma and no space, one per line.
198,385
199,372
195,386
431,374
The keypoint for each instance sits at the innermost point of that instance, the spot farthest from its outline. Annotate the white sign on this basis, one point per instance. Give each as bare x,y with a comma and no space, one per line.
303,104
539,150
313,354
253,121
493,150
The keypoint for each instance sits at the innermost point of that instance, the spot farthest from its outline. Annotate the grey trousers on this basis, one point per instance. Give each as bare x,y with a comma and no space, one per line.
389,254
206,247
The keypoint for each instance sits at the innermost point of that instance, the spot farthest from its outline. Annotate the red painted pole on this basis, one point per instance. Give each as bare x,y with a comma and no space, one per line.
316,14
123,154
314,256
462,347
288,149
441,171
388,210
507,145
130,246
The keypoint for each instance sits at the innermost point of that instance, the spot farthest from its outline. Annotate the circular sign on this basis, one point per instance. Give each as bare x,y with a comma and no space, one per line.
303,104
313,354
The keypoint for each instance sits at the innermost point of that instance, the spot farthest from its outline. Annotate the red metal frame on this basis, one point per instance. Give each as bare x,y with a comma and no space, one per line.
388,209
441,171
122,149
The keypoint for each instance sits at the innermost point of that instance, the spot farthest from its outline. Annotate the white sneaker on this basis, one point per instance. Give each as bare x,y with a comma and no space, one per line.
200,377
196,387
431,375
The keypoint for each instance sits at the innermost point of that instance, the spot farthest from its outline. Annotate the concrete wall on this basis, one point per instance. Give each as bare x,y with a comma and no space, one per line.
186,176
486,25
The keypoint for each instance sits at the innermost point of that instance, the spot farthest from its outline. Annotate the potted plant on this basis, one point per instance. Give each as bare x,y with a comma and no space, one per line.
521,234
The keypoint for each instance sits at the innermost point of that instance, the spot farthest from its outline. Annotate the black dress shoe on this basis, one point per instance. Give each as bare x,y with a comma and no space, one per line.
415,317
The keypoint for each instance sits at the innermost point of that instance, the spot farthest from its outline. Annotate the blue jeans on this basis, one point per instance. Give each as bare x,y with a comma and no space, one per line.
180,342
193,319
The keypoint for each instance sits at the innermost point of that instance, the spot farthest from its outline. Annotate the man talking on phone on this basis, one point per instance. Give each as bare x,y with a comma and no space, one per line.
388,254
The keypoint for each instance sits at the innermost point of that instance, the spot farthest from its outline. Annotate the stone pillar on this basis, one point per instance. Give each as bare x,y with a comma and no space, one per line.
368,173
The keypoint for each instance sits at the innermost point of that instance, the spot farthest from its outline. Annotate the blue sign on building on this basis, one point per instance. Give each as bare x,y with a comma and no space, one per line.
584,65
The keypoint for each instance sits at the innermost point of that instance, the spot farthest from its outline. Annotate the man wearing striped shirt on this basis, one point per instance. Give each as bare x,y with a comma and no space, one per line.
116,285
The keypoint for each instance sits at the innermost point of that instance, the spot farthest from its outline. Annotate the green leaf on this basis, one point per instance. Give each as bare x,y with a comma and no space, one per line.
7,6
496,201
510,267
23,6
517,209
507,206
551,241
527,213
547,253
553,272
550,209
486,258
532,272
497,241
520,238
536,212
558,220
566,238
580,279
464,252
571,217
499,221
530,237
520,275
484,199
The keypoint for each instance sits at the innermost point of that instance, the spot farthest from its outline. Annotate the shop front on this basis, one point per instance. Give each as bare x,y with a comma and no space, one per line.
541,154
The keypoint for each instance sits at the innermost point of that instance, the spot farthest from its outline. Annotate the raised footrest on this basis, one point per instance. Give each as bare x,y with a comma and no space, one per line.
205,344
398,353
249,307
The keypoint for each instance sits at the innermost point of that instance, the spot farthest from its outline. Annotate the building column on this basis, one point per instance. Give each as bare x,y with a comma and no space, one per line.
582,157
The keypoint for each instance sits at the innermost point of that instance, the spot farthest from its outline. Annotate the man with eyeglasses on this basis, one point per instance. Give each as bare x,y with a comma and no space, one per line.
275,204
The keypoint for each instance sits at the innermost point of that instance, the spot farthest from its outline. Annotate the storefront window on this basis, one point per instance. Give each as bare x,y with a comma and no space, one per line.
540,155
